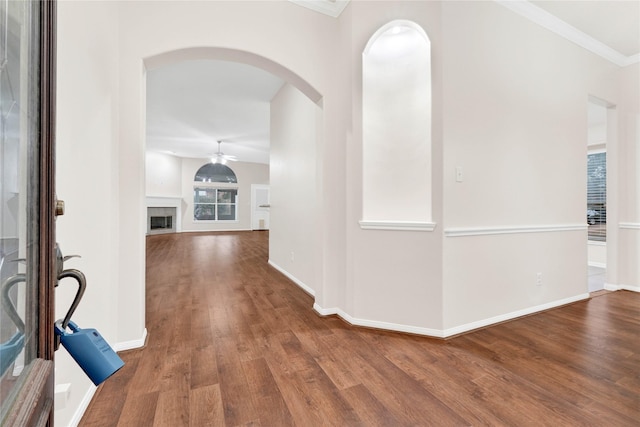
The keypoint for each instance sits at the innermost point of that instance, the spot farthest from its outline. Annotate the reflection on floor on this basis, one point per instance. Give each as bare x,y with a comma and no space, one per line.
596,276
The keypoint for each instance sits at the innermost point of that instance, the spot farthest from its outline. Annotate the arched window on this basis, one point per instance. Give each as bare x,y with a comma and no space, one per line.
396,113
215,195
215,172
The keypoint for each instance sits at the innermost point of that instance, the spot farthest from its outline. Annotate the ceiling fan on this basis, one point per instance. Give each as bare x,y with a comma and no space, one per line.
222,158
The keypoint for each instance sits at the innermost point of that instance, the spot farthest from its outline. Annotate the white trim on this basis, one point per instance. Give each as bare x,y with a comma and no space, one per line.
332,8
378,324
481,231
513,315
596,243
133,344
82,407
395,23
289,276
216,229
552,23
630,225
445,333
597,264
397,225
610,287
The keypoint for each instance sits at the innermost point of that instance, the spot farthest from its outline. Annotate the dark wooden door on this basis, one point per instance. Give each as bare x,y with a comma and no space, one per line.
27,199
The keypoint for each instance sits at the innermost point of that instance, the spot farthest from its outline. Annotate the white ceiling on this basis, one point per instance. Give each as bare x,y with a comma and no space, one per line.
614,23
193,104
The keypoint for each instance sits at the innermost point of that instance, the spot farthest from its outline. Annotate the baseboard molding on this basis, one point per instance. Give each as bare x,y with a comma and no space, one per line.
133,344
446,333
610,287
215,230
513,315
291,277
84,404
377,324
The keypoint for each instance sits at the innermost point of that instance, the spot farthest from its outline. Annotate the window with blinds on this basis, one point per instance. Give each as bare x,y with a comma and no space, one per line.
597,196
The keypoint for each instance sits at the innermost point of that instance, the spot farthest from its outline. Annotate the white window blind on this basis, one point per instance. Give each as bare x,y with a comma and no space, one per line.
597,196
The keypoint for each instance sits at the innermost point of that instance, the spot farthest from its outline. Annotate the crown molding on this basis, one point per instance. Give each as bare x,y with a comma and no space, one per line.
329,7
553,23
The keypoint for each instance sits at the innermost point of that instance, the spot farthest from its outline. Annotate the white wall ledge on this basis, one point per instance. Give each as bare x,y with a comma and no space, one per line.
397,225
630,225
483,231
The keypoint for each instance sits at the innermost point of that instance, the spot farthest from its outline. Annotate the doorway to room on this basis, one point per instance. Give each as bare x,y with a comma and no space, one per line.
282,181
598,138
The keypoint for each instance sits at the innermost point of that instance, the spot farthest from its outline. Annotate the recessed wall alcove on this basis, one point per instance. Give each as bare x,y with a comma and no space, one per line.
396,102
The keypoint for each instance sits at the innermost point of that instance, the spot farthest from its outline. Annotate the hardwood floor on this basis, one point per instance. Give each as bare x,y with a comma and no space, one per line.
233,342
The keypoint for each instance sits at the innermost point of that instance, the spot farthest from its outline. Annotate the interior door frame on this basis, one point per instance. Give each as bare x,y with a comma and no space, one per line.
255,207
33,405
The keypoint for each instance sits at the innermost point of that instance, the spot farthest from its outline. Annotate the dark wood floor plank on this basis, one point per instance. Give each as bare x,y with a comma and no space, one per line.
231,341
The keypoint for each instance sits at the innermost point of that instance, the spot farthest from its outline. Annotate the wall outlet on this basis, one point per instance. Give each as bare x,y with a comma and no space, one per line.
539,279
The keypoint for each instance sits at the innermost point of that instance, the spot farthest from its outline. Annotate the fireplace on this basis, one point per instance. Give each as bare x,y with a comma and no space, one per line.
161,220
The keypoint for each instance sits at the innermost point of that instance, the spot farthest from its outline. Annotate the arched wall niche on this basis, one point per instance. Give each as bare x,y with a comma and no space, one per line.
396,68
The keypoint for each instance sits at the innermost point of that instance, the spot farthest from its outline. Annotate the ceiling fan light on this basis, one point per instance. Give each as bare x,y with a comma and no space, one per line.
214,160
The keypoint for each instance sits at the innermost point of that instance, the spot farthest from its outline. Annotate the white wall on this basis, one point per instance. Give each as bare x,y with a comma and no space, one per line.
628,116
163,175
225,30
87,179
294,211
515,100
246,173
515,122
597,254
506,94
394,277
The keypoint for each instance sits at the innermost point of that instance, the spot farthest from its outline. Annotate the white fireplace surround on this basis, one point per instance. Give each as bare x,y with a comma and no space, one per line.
167,202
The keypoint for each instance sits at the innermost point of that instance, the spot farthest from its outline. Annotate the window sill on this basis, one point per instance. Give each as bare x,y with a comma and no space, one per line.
397,225
213,221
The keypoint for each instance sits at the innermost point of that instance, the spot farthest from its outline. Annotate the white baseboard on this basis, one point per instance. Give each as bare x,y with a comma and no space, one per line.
84,404
610,287
445,333
513,315
133,344
215,230
289,276
378,324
